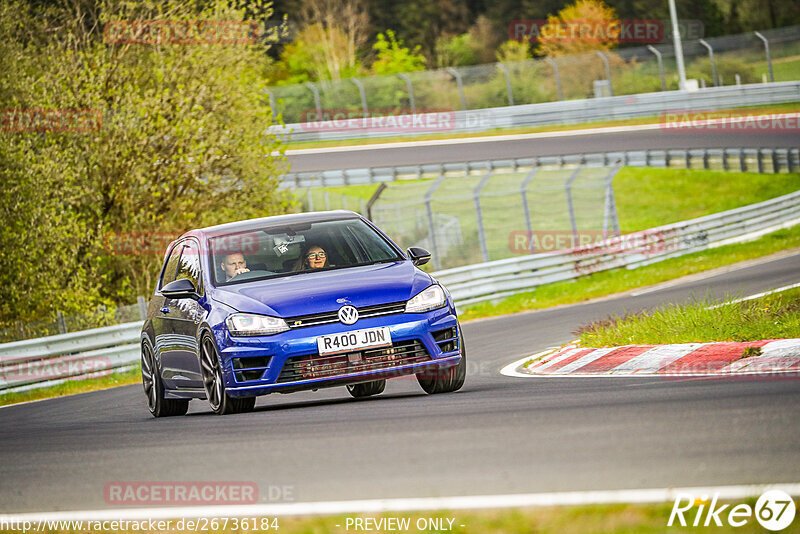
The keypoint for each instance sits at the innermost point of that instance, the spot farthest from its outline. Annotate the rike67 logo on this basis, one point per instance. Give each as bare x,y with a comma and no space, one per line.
774,510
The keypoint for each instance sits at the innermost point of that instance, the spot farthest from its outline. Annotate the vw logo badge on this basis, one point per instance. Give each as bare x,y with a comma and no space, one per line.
348,314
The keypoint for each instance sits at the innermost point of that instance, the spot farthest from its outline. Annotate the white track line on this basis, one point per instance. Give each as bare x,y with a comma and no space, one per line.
375,506
511,368
517,137
755,296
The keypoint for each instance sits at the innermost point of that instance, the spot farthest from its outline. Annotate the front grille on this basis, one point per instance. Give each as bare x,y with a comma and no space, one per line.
385,358
301,321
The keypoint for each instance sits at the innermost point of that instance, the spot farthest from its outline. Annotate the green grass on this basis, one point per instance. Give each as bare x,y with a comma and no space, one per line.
617,280
71,387
787,70
775,316
648,197
584,519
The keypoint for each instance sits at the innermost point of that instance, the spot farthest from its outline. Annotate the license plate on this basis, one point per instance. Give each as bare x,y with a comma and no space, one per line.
369,338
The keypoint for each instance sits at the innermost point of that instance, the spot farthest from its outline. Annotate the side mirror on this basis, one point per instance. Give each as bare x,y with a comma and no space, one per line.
180,289
419,256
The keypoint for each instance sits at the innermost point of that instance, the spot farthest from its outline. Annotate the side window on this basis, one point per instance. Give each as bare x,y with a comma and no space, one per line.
190,265
171,268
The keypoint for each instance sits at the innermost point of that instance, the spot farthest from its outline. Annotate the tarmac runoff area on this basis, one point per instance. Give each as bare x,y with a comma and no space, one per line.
777,357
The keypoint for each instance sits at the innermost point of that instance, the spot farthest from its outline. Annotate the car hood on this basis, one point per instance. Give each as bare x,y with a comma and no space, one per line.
322,291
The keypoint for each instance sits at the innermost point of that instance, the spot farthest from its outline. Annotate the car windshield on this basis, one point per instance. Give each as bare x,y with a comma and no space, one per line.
275,251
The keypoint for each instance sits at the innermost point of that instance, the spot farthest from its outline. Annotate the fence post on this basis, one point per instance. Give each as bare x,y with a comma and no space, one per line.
688,159
705,158
476,197
61,322
410,88
570,206
271,103
310,200
327,201
316,98
373,199
711,58
553,64
460,84
790,160
742,161
142,307
526,210
725,159
766,50
608,71
431,224
760,160
362,93
655,51
610,205
508,83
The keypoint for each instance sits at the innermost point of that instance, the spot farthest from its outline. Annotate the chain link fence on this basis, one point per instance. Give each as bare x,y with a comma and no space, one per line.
729,60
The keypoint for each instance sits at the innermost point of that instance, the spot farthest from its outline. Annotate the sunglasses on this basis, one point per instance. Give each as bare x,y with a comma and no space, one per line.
316,256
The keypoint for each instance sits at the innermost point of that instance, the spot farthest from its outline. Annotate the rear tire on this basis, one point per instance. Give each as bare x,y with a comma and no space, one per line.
448,379
366,389
214,383
154,388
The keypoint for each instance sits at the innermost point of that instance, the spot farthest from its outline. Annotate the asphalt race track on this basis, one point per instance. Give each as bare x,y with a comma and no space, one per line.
546,146
498,435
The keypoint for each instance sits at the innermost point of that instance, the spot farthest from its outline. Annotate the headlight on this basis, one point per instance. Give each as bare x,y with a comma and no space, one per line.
250,324
428,299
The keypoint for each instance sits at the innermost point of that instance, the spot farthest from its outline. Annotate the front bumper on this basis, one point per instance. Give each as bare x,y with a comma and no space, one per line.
258,365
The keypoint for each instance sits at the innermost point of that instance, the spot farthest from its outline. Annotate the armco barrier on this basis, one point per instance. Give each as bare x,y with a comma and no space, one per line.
44,361
740,159
569,111
52,359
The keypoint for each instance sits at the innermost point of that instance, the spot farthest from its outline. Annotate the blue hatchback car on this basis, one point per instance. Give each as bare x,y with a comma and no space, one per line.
291,303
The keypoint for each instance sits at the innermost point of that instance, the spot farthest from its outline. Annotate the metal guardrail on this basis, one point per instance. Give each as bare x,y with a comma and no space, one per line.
497,279
564,112
50,360
54,359
740,159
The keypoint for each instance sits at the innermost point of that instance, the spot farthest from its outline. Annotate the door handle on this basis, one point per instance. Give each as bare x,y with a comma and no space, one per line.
165,309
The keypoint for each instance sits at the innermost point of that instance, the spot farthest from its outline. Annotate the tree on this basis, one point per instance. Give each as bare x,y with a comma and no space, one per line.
584,26
393,57
179,142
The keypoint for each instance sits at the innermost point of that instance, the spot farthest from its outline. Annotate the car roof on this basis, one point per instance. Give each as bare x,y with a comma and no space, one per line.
275,220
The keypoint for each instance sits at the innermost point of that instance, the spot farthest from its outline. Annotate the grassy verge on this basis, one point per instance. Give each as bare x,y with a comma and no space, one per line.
585,519
617,280
773,108
775,316
71,387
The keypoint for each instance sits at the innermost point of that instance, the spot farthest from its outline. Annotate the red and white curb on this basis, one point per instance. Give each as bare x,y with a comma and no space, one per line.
780,356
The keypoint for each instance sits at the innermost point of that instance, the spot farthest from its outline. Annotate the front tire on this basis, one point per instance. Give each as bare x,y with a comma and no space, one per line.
154,388
366,389
214,383
449,379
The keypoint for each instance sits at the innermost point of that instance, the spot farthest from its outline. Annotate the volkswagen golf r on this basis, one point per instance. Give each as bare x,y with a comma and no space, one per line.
290,303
